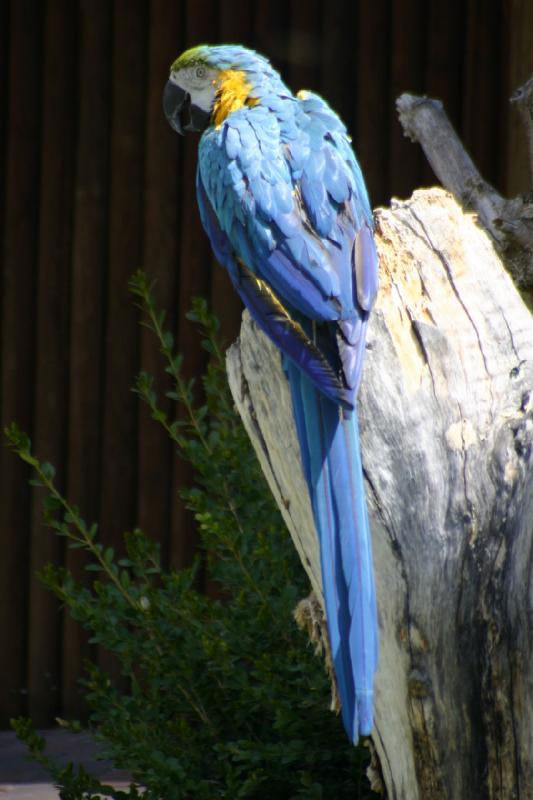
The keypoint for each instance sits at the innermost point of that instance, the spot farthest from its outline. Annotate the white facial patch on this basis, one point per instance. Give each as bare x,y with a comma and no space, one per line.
200,83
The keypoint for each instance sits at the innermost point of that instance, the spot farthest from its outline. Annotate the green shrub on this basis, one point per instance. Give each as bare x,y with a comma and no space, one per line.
225,697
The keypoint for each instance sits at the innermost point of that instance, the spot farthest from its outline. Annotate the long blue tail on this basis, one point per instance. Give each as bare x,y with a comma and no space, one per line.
329,444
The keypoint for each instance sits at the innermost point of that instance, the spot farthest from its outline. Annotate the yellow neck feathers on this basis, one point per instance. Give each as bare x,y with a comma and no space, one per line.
233,93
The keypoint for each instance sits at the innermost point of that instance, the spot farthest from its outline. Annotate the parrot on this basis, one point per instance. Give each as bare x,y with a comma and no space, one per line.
284,204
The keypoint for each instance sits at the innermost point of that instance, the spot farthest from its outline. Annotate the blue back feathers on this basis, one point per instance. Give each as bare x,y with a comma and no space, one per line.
289,196
283,200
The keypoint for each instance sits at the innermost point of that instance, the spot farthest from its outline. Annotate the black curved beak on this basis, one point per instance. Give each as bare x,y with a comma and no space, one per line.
180,112
176,105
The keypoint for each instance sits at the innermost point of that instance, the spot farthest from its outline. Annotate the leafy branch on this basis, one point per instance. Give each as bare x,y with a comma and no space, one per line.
183,390
71,525
222,698
79,782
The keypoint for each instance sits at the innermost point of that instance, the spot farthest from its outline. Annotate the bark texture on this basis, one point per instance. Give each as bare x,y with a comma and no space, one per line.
508,221
446,411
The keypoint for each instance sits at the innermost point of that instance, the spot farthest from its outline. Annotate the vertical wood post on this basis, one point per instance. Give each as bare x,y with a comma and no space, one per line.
446,411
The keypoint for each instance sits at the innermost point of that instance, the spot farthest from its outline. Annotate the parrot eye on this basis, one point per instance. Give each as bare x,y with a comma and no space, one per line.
200,72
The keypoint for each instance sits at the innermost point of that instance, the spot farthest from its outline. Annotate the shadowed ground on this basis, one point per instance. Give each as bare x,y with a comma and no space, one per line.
23,779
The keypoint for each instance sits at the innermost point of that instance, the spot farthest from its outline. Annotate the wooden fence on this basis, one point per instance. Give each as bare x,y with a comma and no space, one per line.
96,185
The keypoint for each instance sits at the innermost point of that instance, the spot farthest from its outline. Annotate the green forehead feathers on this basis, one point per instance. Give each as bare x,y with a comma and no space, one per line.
190,58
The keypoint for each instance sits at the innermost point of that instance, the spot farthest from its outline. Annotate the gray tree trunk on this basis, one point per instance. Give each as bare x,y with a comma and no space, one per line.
446,411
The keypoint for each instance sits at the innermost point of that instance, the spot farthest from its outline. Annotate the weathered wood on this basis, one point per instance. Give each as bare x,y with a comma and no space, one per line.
518,43
407,55
17,329
52,343
194,280
482,64
446,410
508,221
364,53
160,250
523,100
336,48
372,114
119,413
120,404
87,311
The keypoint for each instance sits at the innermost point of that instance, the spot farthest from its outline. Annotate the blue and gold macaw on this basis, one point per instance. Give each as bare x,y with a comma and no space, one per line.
284,203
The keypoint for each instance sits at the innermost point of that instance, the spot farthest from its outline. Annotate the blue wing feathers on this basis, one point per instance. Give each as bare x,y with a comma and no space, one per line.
365,259
284,203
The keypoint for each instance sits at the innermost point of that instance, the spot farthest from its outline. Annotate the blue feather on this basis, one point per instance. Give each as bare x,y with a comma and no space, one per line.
330,453
284,203
364,256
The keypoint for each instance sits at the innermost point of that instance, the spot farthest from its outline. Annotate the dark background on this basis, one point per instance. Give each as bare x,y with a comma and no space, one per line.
96,185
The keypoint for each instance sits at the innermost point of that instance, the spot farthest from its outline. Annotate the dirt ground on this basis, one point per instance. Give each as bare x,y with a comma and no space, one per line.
22,779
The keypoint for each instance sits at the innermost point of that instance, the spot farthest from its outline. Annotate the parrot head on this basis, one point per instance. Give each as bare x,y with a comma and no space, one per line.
207,83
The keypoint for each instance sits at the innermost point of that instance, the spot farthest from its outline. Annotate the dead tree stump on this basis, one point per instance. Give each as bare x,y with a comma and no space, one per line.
446,411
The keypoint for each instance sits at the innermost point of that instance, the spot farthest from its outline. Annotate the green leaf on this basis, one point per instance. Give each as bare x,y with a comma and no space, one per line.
48,471
51,504
215,696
